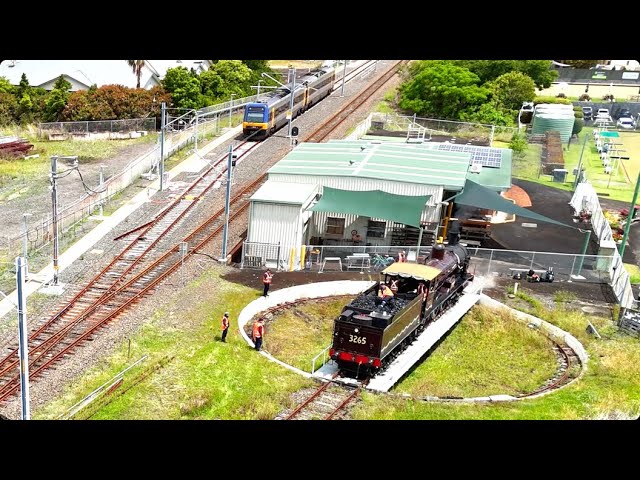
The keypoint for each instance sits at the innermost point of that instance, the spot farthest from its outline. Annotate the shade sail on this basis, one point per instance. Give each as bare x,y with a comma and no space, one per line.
373,203
476,195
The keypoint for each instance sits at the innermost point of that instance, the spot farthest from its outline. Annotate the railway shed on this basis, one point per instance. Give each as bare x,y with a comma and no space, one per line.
365,193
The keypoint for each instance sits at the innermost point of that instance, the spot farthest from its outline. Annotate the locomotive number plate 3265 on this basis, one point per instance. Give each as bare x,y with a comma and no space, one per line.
356,339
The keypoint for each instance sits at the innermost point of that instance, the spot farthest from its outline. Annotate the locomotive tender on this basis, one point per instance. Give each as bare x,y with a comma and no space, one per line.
367,335
269,114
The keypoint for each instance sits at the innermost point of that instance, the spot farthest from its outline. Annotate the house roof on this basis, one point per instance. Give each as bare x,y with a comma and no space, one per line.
395,162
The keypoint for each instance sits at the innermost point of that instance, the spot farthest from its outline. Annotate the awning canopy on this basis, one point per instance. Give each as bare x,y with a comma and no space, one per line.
415,270
476,195
373,203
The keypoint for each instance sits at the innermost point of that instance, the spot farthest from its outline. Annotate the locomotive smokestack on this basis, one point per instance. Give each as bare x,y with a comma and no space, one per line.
437,252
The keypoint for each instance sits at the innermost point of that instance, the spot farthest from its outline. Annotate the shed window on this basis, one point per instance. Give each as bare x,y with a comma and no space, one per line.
376,229
335,225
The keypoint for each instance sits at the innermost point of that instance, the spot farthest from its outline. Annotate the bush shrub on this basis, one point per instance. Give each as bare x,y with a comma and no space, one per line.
561,95
564,101
608,98
584,97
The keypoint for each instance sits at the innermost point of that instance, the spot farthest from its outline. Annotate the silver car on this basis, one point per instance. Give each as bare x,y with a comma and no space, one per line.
627,123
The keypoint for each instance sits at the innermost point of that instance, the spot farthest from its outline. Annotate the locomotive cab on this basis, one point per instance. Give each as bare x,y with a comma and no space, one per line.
256,119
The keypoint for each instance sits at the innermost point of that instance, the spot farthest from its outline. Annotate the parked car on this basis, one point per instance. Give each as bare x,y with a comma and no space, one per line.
623,113
603,112
587,113
628,123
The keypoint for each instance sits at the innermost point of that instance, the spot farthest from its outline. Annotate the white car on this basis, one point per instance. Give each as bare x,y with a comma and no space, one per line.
628,123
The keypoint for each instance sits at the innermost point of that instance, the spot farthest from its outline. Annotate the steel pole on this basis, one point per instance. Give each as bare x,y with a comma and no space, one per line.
344,74
585,245
101,187
579,173
25,245
54,202
161,163
231,108
631,211
196,132
21,266
226,205
293,89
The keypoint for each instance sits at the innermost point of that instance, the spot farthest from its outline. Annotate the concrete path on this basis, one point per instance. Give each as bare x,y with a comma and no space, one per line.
194,163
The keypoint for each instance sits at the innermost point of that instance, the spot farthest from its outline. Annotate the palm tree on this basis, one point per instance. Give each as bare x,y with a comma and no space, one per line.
136,65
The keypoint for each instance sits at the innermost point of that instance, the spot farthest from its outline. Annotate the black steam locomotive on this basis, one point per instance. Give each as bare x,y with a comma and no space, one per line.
369,331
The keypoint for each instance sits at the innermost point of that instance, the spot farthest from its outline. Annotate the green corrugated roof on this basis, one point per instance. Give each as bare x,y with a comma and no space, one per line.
396,162
498,179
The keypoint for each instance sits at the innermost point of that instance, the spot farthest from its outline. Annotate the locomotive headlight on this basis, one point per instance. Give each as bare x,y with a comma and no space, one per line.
356,330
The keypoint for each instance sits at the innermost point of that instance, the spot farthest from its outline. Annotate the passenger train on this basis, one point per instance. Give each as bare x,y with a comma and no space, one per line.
369,333
263,118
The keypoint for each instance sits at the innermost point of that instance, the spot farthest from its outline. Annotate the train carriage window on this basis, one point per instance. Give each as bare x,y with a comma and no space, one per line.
335,225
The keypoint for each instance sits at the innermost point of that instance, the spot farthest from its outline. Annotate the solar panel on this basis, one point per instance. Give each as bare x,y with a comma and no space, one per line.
485,156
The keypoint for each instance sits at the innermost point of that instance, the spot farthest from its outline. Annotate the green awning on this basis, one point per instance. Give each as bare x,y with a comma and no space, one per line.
373,203
476,195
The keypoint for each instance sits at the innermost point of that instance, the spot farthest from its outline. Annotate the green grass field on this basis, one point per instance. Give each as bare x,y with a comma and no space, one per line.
617,186
191,375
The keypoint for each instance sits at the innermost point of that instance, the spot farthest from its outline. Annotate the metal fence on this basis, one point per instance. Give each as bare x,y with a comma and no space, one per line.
473,131
98,126
586,198
323,258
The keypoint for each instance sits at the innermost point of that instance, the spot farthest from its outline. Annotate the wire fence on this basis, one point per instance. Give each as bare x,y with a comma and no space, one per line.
477,132
49,129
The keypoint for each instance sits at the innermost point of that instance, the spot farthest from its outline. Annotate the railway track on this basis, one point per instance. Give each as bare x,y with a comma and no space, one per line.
328,402
334,122
139,268
131,275
353,74
567,358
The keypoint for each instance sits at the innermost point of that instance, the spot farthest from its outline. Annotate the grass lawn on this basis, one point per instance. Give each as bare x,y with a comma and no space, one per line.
87,152
191,375
610,386
205,379
312,323
488,353
615,186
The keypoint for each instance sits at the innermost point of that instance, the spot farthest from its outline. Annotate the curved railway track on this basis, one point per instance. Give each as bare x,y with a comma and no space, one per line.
139,267
567,358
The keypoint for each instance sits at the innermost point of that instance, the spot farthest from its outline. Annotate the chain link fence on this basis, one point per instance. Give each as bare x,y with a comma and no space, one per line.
476,132
52,129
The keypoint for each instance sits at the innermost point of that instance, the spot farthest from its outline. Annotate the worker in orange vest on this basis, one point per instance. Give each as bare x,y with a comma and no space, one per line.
385,293
266,281
258,333
225,326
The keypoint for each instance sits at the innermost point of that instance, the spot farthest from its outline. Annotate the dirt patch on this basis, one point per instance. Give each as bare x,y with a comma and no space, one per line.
253,278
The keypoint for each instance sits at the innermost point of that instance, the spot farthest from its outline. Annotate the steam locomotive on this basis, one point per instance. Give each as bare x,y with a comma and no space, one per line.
269,114
369,332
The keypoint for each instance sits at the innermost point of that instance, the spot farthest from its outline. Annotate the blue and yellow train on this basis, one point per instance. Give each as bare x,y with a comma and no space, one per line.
263,118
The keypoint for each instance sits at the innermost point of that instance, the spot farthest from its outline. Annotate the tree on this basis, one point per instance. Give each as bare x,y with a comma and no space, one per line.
62,84
539,70
23,86
518,143
577,126
5,85
489,114
582,63
57,100
442,90
136,66
8,108
183,87
235,77
511,89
